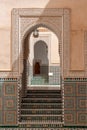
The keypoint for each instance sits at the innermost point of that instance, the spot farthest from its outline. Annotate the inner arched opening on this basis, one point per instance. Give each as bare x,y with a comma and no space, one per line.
41,61
41,58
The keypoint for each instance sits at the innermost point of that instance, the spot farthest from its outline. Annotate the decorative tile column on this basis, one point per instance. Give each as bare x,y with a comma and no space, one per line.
8,102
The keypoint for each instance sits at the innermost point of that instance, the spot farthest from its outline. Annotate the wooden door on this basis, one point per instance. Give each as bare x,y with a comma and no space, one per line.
37,68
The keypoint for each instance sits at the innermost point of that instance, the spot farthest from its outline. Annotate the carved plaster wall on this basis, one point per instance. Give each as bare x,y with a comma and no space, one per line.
26,20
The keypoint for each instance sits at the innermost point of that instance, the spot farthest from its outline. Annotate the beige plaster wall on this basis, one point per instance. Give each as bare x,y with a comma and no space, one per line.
77,50
5,54
78,22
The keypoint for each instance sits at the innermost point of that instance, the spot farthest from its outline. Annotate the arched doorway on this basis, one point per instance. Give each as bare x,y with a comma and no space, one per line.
41,62
44,58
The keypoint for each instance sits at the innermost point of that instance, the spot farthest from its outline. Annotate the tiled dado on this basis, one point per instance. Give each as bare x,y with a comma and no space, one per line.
75,102
10,118
75,118
75,90
69,117
8,102
10,89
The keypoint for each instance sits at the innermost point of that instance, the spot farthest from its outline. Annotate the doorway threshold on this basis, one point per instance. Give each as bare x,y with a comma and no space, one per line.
48,87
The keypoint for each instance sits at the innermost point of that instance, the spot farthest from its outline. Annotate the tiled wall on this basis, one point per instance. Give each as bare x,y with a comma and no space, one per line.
8,102
75,102
55,78
45,70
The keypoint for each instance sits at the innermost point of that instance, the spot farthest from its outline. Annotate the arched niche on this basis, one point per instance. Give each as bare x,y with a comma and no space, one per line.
40,58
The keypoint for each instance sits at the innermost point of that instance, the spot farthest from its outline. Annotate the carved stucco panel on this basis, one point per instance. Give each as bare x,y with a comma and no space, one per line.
66,43
15,41
29,22
41,12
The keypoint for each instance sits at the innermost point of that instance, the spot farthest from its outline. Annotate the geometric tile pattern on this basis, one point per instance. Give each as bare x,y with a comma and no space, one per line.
69,90
82,117
81,89
9,117
9,89
75,103
69,103
55,79
8,103
69,117
81,103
